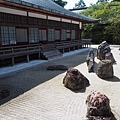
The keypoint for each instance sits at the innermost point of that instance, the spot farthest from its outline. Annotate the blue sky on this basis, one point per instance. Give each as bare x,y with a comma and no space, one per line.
71,3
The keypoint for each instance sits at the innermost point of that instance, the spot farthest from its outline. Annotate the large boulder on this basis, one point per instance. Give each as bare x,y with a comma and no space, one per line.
103,48
75,80
90,60
98,107
105,69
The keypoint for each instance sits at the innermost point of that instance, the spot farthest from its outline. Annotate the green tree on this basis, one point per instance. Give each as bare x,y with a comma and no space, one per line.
80,4
60,2
115,0
99,1
108,27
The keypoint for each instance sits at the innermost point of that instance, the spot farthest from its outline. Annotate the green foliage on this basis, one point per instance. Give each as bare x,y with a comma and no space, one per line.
116,0
108,27
60,2
99,1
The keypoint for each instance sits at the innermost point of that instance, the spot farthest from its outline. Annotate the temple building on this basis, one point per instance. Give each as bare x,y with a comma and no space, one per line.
37,29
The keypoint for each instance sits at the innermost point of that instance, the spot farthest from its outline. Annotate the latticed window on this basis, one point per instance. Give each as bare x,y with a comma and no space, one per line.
17,19
24,20
57,34
63,34
35,22
8,35
68,34
33,35
30,21
73,34
42,35
51,34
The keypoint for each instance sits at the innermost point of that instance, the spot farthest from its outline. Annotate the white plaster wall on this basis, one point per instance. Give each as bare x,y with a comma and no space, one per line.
80,25
13,11
75,22
66,20
37,15
53,18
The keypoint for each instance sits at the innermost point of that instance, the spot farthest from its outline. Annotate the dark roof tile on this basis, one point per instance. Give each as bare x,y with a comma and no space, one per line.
49,5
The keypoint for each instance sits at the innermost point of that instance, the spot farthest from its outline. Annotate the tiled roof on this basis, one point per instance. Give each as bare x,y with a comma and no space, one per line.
49,5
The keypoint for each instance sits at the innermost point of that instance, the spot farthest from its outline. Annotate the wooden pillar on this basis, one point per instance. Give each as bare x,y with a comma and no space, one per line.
27,54
28,29
60,30
0,38
27,57
39,54
28,36
47,29
13,61
12,57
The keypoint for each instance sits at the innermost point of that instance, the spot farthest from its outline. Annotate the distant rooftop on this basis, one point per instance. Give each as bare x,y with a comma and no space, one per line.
49,5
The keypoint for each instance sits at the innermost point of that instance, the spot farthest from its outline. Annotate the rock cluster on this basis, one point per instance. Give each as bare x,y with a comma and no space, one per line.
98,107
105,66
75,80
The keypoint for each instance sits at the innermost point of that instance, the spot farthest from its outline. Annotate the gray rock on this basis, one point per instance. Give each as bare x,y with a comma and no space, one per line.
75,80
109,56
91,66
98,107
90,61
105,69
103,48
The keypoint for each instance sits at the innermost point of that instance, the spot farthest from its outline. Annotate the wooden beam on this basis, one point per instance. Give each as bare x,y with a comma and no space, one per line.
77,9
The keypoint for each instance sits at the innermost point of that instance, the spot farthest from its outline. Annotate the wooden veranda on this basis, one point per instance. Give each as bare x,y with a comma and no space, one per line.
12,54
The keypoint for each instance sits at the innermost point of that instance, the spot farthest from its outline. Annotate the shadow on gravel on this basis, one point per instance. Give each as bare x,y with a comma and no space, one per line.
114,79
20,82
80,91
